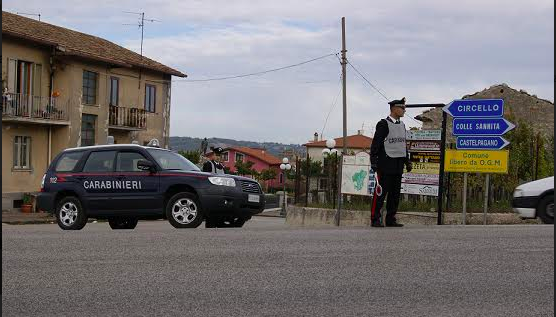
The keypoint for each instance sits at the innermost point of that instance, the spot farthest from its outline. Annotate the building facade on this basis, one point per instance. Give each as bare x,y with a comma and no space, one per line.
62,88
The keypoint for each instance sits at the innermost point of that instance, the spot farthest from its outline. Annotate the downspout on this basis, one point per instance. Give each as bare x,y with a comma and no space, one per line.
49,145
50,92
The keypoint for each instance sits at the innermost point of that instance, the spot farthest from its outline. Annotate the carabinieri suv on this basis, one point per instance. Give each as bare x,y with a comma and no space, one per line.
126,183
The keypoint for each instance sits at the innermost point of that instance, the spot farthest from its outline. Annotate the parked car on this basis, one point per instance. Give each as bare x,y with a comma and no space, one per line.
535,199
126,183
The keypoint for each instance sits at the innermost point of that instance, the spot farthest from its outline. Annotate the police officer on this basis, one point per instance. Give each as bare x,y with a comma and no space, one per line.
388,157
213,165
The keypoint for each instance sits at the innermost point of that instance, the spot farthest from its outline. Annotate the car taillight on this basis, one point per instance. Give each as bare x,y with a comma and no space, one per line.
42,182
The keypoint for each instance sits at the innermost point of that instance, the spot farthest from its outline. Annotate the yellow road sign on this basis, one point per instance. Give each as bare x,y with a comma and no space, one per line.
476,161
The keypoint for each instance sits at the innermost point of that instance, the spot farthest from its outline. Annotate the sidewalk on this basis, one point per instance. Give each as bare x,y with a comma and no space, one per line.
19,218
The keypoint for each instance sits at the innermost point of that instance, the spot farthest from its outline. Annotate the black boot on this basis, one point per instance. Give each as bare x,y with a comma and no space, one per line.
376,223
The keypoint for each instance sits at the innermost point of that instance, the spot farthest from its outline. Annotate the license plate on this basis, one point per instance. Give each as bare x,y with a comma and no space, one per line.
254,199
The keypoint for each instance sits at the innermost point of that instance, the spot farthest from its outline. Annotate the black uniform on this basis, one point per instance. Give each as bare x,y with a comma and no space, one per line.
213,167
389,170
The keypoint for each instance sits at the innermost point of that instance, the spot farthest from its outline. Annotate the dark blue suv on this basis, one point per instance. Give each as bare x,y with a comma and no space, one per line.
126,183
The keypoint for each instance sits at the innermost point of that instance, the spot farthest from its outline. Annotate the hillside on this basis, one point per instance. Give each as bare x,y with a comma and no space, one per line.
276,149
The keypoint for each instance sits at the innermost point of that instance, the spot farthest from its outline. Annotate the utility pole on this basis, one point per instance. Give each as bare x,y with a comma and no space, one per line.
344,95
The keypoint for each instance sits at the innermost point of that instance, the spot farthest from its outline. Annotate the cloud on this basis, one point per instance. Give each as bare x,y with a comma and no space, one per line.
428,51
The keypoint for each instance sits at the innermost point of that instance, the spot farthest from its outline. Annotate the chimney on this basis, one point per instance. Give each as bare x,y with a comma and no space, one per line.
360,132
316,137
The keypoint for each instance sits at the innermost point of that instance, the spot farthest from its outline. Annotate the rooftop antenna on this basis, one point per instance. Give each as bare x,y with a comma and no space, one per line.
141,25
32,14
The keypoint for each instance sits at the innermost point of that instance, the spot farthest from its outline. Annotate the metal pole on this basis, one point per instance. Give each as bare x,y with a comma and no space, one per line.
339,177
487,180
285,199
464,198
537,143
344,95
307,176
441,176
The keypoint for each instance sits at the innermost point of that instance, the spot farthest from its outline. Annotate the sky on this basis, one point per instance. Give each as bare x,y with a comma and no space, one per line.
429,51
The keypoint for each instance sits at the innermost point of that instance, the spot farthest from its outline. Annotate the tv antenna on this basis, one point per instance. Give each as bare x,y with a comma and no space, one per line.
32,14
141,25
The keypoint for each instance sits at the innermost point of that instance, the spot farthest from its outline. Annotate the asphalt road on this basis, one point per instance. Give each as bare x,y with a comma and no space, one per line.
269,269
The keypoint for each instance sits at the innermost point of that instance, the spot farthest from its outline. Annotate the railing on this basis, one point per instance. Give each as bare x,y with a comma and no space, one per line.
128,117
34,107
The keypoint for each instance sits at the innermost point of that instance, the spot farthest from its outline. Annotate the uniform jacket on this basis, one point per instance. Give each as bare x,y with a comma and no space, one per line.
384,163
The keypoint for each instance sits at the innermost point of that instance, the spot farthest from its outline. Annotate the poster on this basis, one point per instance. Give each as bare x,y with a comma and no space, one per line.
356,174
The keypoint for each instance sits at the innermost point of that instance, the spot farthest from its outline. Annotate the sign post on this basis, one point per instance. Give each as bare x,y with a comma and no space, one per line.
478,125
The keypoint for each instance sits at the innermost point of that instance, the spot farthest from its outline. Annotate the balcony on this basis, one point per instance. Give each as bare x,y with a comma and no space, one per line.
34,109
131,119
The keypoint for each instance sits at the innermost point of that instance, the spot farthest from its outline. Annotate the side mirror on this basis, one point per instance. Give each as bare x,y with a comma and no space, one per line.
145,165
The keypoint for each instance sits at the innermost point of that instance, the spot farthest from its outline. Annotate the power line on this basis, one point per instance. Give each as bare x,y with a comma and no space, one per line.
254,74
375,88
332,107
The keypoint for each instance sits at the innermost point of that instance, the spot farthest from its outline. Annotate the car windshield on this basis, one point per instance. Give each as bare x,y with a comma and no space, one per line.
172,161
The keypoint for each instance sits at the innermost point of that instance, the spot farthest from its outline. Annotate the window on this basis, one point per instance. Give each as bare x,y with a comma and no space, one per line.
114,90
24,77
100,162
127,162
88,124
172,161
67,162
239,157
150,97
323,183
89,88
22,152
226,156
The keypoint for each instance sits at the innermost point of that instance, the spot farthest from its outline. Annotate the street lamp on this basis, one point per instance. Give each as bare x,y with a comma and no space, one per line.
329,151
285,166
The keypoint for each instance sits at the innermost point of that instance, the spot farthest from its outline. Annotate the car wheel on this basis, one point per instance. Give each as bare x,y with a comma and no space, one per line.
70,214
123,223
545,211
184,211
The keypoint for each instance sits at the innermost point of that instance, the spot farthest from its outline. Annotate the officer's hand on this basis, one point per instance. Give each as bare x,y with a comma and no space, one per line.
409,167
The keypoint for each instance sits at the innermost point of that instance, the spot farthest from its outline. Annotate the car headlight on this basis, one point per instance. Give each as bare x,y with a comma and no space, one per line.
518,193
222,181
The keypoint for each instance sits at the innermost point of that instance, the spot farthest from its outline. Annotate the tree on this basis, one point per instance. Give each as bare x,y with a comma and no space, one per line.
315,167
268,174
245,168
193,156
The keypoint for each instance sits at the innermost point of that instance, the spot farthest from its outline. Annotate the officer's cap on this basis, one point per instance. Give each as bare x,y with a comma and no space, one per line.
217,150
394,103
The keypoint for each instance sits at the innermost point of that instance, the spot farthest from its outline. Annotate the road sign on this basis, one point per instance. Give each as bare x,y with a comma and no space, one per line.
481,126
481,143
473,161
473,108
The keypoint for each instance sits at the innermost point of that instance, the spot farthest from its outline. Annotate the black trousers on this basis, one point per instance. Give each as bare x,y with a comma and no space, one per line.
391,186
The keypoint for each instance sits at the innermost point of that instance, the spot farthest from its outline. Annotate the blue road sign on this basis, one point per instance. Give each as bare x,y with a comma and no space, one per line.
476,108
481,143
481,126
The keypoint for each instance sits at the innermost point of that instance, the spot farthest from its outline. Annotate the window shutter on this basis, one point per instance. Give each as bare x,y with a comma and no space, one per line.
37,80
12,78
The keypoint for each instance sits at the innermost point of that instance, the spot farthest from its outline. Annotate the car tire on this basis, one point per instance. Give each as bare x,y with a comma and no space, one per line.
70,214
184,211
545,210
123,223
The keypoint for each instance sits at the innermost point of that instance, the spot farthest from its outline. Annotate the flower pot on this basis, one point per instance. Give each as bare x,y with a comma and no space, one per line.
26,208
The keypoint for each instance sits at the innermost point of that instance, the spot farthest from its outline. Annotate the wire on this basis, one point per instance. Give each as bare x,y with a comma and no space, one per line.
332,107
375,88
254,74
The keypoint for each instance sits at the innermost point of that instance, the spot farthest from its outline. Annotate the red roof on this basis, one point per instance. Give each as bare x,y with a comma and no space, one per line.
357,141
260,154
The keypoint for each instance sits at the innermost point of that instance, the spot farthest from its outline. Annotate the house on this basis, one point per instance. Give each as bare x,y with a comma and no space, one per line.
63,88
262,160
355,144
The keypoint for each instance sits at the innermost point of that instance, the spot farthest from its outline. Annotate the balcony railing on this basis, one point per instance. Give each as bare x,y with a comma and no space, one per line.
128,118
34,107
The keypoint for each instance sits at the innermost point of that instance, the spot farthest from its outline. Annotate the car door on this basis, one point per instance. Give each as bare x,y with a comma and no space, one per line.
96,178
137,189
